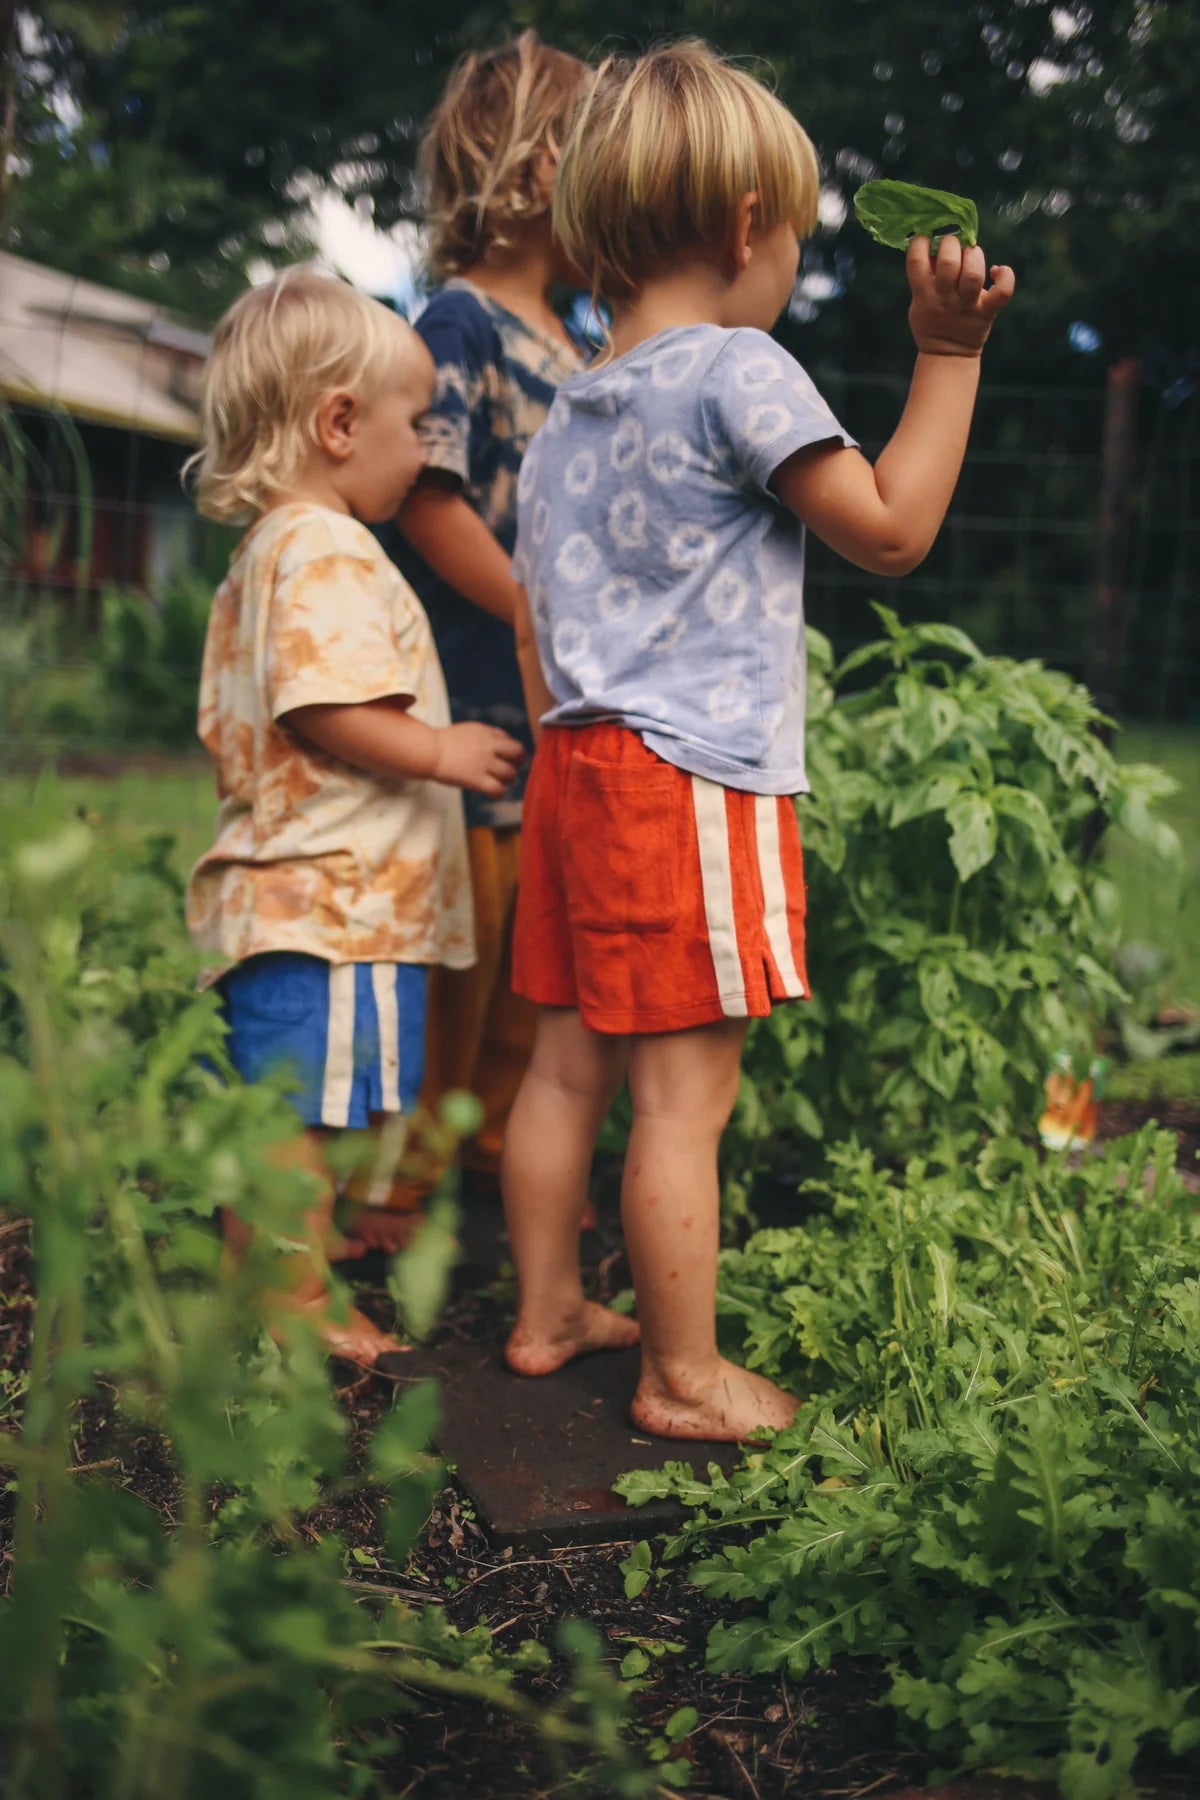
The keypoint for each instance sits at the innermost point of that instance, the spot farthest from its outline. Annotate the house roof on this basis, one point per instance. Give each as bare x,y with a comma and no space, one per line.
97,354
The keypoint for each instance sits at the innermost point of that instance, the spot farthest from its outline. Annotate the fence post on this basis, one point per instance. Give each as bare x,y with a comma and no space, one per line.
1105,652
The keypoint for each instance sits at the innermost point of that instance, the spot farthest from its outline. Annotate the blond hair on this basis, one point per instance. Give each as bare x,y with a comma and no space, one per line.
478,161
661,151
278,350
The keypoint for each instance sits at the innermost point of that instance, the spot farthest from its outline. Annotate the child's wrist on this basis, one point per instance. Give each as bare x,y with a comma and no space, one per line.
962,352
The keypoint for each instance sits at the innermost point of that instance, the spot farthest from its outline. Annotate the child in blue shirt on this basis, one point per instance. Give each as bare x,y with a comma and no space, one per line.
500,352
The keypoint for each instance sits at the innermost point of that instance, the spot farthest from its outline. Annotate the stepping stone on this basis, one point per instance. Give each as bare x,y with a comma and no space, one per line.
537,1458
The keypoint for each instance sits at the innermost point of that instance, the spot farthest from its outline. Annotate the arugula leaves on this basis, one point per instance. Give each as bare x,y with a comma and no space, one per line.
895,212
995,1485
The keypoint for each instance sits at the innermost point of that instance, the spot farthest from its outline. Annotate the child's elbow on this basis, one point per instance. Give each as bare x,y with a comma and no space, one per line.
897,556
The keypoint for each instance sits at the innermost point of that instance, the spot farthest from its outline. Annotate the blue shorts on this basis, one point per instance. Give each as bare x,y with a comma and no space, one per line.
350,1037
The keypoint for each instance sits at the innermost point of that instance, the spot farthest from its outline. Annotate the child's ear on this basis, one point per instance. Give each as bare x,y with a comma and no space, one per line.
741,230
336,422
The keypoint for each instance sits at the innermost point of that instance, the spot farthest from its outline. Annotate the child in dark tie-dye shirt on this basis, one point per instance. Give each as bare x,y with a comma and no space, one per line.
500,352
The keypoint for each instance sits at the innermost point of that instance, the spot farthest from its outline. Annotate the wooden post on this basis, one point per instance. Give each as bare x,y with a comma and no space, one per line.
1105,652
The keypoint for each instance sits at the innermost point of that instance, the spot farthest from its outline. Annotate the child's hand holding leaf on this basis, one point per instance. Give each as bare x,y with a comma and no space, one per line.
952,310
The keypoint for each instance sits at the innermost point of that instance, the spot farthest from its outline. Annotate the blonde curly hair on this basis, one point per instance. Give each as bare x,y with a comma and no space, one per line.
659,154
277,351
502,109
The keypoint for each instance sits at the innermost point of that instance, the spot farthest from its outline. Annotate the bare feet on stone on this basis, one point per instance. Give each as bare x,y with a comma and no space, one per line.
732,1406
532,1350
354,1338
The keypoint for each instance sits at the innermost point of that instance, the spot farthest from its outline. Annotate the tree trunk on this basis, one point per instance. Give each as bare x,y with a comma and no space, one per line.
1107,647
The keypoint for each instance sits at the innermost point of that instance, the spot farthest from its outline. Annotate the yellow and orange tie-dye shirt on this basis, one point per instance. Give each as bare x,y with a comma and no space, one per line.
311,854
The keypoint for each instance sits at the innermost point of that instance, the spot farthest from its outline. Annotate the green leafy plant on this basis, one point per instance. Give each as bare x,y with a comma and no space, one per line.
221,1652
957,935
995,1485
895,212
148,662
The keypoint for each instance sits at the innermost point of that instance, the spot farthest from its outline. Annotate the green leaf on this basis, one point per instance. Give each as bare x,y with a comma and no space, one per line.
418,1277
681,1724
895,212
636,1569
972,834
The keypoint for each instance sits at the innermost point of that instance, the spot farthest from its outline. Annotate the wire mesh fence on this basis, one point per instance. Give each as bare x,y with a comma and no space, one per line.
106,571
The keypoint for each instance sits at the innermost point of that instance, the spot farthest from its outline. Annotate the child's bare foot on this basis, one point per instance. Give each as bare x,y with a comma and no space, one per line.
532,1351
733,1406
376,1228
355,1338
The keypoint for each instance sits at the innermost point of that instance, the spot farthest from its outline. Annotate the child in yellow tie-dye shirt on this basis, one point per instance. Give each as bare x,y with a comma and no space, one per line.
338,875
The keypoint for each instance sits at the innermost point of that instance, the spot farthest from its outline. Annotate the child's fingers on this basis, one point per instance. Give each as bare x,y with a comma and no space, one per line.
1004,286
948,267
919,266
972,275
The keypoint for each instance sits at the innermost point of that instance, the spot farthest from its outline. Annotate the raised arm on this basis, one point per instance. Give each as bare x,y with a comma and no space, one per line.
885,518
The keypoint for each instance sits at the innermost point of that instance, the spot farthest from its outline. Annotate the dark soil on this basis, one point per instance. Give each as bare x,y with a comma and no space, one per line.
827,1737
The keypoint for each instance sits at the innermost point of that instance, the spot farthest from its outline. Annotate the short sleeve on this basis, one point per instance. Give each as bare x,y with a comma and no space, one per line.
344,627
458,335
760,407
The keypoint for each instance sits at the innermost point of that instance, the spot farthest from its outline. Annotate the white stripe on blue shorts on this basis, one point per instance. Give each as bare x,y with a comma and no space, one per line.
348,1038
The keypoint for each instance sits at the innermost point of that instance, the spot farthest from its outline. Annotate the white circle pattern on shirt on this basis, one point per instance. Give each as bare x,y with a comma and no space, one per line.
580,476
672,367
570,639
767,421
784,603
619,597
540,526
663,634
626,446
627,520
759,372
669,456
729,701
690,547
725,597
528,475
578,557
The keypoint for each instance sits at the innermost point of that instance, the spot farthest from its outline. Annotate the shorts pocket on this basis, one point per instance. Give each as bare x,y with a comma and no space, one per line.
622,846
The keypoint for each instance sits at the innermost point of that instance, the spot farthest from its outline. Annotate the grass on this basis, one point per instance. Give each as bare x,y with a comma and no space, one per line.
1160,907
131,806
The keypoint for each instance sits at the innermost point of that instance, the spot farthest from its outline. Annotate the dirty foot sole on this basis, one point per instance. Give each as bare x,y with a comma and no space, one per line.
738,1405
530,1352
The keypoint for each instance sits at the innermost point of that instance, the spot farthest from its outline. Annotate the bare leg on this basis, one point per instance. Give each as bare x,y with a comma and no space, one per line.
304,1275
684,1085
572,1079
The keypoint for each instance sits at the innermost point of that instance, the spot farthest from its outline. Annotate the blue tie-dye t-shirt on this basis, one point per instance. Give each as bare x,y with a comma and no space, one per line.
496,378
665,581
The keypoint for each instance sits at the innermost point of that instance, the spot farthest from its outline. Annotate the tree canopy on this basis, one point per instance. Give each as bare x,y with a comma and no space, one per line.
168,146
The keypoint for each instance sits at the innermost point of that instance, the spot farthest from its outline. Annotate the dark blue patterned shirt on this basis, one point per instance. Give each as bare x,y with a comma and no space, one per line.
496,379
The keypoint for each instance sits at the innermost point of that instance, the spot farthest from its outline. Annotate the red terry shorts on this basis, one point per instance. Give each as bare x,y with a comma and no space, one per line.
651,899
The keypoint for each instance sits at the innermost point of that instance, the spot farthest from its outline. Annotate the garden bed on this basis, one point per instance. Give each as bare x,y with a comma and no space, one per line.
755,1738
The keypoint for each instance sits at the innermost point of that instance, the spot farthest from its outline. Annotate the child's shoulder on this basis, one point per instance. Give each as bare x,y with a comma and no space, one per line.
306,533
457,312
